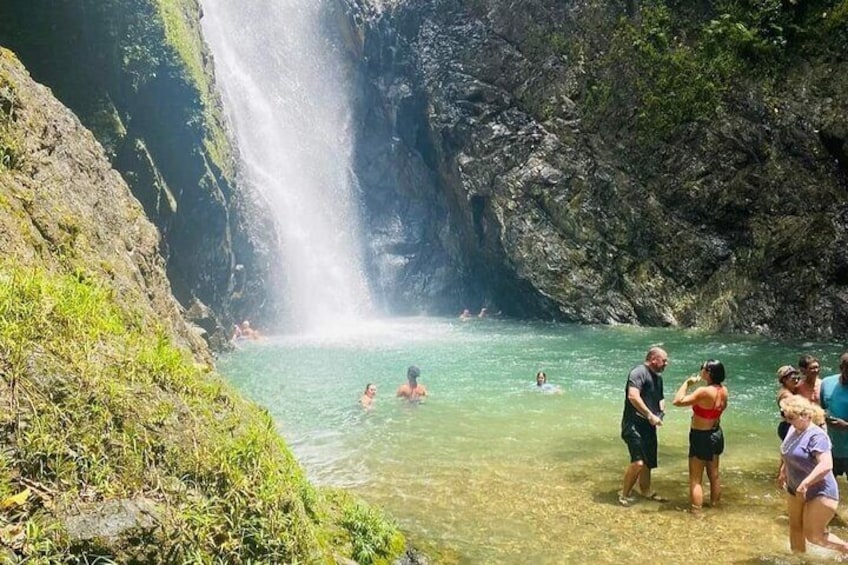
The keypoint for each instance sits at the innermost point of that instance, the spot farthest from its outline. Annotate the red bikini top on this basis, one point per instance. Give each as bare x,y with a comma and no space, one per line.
713,413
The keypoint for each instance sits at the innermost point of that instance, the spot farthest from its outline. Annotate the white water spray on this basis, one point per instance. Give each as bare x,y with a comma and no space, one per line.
287,97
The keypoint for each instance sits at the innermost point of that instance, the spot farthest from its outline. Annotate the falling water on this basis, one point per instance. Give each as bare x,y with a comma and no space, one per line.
287,97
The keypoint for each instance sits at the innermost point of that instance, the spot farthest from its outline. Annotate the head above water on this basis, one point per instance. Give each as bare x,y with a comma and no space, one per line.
715,371
541,378
370,389
413,373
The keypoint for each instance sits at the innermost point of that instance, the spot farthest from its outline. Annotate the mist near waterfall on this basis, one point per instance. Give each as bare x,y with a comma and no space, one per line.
287,98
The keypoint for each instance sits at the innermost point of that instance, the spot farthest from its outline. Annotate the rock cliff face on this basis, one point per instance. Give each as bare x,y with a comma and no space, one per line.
118,446
659,163
505,159
63,206
138,75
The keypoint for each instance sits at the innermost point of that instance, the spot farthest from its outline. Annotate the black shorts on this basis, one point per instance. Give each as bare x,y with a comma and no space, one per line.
783,429
706,444
840,466
641,440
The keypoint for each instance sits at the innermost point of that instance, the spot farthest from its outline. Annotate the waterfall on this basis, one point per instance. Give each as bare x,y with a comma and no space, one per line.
286,96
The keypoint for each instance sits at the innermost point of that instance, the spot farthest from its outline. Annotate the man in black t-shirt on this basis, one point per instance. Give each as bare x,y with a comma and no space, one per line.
644,406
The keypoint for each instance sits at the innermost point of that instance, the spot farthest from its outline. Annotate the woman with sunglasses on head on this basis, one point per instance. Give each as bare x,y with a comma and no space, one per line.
805,472
788,378
706,439
810,386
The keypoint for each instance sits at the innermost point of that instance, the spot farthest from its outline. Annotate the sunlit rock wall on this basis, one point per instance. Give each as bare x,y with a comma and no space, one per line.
139,77
63,208
491,178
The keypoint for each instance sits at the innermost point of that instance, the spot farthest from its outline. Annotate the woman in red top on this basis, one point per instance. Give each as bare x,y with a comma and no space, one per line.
706,440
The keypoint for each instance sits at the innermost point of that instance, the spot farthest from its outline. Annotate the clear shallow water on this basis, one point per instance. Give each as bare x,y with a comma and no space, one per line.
490,471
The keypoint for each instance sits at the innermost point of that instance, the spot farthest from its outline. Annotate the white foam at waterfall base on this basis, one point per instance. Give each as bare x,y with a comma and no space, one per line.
287,98
373,334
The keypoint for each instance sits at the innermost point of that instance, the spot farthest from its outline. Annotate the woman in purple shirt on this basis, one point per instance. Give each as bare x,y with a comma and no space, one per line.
805,473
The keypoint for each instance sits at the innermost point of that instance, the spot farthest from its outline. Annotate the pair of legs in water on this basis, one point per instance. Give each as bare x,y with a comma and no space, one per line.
696,482
705,449
808,520
641,473
641,440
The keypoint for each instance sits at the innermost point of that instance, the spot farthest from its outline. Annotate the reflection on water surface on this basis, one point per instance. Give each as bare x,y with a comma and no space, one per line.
490,471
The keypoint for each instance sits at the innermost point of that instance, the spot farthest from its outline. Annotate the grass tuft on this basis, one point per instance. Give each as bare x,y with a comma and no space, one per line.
101,406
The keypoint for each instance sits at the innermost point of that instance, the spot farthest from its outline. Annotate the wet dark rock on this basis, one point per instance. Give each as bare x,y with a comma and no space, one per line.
486,181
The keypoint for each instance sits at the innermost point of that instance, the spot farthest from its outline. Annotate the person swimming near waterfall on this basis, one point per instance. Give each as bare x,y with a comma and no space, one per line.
367,398
247,332
411,390
542,384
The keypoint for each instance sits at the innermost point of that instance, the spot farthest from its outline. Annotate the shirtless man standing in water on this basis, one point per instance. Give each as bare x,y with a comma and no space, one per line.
810,386
412,391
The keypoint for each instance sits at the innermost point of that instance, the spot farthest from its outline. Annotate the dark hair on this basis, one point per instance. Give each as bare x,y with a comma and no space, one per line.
542,373
413,372
805,361
368,386
715,369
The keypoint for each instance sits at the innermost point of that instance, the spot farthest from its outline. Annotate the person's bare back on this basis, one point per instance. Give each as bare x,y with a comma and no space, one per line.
412,391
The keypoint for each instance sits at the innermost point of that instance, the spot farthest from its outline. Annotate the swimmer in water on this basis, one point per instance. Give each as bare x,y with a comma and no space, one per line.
542,384
367,398
412,391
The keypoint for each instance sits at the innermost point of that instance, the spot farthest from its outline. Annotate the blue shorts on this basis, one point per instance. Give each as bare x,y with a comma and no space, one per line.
826,487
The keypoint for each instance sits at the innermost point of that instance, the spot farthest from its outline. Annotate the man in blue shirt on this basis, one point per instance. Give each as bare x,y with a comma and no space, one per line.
834,399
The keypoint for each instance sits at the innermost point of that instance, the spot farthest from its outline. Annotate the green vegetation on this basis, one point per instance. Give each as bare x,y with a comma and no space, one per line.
164,36
182,31
371,534
100,406
122,52
680,67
